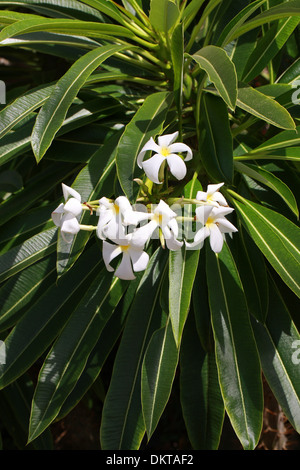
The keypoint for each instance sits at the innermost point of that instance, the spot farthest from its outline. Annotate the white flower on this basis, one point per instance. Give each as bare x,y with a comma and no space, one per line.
134,259
66,215
111,218
212,194
214,225
164,150
164,218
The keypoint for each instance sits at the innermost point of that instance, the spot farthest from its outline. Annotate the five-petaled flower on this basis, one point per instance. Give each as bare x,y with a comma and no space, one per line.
134,258
214,225
167,150
164,218
65,216
212,194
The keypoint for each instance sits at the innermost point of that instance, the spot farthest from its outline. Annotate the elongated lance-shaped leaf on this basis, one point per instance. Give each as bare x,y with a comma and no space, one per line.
276,236
268,46
158,372
22,107
279,141
163,15
263,107
147,122
240,379
182,270
68,356
220,70
44,319
33,249
23,289
267,178
215,139
53,113
177,54
200,394
122,419
278,344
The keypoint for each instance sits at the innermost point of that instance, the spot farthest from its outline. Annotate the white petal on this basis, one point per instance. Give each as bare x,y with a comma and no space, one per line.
110,252
199,239
69,224
104,218
123,203
73,206
165,210
202,213
124,270
67,191
181,148
173,244
114,230
225,226
105,203
150,145
152,166
220,212
139,259
173,225
168,139
57,215
141,235
218,197
201,196
177,166
216,238
212,188
135,217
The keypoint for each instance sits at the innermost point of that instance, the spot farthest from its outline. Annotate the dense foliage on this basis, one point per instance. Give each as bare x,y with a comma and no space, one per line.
175,122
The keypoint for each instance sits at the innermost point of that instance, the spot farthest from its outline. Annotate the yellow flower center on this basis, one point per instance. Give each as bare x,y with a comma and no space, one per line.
158,218
164,151
116,209
124,247
209,221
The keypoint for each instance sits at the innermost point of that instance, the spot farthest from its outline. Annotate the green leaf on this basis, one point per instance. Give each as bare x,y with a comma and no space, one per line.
182,269
53,113
220,70
33,249
267,178
290,8
200,395
278,343
163,15
147,122
263,107
242,393
277,238
158,372
45,318
268,46
215,138
23,289
279,141
68,356
289,153
122,420
177,54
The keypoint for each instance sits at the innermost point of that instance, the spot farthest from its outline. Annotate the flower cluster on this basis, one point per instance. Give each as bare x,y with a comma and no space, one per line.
125,231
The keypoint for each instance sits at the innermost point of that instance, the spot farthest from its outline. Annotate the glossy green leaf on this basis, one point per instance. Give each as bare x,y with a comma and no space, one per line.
269,179
215,139
33,249
68,356
163,14
53,113
240,379
279,141
277,238
147,122
158,372
251,100
45,318
182,269
220,70
200,394
23,289
268,46
278,344
122,420
289,153
177,54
